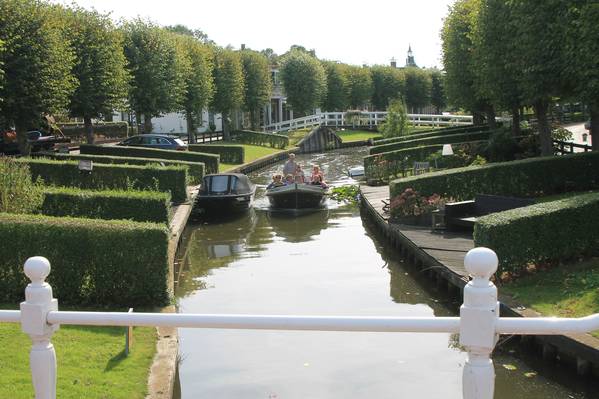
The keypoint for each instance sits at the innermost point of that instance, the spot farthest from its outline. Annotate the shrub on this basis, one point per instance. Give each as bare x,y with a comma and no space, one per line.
139,206
106,129
411,203
396,123
195,169
94,262
549,231
119,177
18,192
443,139
234,154
210,160
524,178
502,146
261,139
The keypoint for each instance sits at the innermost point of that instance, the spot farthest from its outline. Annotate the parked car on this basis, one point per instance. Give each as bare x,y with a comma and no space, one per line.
160,141
587,125
37,140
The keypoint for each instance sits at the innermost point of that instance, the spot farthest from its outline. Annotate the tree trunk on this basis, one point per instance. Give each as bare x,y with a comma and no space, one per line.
191,129
594,111
139,127
254,118
147,124
541,108
89,129
478,118
490,111
24,146
226,134
516,122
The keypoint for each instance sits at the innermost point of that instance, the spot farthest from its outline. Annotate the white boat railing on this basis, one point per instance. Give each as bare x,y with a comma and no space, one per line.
478,324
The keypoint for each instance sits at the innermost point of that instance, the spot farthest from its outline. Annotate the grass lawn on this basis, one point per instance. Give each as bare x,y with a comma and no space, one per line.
252,152
570,290
356,135
91,362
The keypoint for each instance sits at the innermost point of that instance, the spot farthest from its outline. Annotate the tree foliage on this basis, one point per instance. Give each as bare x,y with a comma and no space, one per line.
396,123
257,83
388,84
438,98
337,96
228,84
195,33
418,88
304,79
360,86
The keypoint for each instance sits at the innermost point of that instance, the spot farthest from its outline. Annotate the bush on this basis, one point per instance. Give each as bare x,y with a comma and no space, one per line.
549,231
396,123
524,178
195,169
210,160
94,262
234,154
502,146
432,133
106,129
139,206
443,139
120,177
261,139
18,192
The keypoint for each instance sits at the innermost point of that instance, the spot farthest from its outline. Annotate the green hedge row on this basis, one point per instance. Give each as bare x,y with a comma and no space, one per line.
195,169
94,262
209,160
549,231
263,139
139,206
432,133
524,178
119,177
234,154
443,139
106,129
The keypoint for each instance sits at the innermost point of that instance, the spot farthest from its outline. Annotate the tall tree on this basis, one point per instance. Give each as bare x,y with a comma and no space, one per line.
228,84
199,85
257,84
360,86
37,62
438,99
304,80
195,33
418,88
99,67
388,84
337,96
157,67
540,57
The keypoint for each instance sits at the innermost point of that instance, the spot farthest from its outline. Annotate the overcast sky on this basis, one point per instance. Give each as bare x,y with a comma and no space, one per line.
350,31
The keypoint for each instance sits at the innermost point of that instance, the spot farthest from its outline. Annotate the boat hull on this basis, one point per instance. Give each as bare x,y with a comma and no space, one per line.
225,203
296,196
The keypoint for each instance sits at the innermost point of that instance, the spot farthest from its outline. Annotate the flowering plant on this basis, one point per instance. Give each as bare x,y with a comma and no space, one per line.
411,203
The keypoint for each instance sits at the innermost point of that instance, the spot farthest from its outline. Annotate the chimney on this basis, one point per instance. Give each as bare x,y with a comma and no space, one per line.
242,46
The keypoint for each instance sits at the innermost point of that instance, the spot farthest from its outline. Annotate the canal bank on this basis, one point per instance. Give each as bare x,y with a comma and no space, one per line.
441,256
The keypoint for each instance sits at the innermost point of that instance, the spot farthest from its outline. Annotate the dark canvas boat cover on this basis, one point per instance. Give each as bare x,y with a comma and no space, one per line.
226,183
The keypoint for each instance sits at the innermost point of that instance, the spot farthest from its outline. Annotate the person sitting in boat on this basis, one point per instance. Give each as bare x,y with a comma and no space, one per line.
289,179
317,181
290,165
299,174
317,172
277,181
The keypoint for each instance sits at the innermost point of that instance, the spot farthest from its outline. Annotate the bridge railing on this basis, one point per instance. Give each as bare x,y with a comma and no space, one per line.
478,324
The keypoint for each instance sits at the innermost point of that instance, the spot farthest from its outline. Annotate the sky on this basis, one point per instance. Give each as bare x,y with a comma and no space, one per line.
355,32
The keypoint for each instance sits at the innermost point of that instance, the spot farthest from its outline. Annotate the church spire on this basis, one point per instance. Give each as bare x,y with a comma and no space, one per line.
410,59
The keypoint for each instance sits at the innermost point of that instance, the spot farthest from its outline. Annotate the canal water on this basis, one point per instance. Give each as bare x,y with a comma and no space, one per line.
325,262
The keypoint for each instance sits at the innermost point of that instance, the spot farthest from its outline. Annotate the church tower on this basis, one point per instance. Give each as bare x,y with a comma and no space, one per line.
410,60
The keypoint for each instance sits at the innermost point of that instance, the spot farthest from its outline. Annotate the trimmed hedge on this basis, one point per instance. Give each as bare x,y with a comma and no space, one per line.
106,129
94,262
210,160
432,133
139,206
195,169
120,177
234,154
549,231
443,139
530,177
262,139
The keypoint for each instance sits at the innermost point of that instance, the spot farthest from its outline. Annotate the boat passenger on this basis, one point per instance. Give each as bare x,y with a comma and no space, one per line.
277,181
289,179
290,165
299,174
317,181
317,172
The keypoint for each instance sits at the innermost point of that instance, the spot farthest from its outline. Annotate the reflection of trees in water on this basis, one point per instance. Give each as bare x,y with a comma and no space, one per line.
298,226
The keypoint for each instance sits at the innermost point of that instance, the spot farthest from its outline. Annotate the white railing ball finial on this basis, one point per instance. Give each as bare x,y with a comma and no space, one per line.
481,263
37,268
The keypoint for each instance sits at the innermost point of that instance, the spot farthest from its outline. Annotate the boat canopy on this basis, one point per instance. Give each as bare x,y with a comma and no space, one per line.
226,183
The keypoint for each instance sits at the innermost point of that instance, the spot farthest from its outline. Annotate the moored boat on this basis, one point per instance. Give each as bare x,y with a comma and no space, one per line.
226,192
296,196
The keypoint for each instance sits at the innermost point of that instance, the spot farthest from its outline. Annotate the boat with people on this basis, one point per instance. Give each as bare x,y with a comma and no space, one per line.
226,192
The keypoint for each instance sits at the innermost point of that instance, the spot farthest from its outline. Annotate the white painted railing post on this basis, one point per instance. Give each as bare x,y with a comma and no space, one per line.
478,317
34,311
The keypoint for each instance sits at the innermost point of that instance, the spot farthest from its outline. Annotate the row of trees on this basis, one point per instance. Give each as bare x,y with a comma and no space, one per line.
57,60
334,86
505,55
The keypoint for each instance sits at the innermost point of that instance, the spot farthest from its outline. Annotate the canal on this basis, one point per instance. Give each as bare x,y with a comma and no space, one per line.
325,262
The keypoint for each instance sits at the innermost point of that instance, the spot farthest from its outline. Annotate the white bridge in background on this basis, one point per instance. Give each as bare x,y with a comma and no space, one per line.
478,324
365,118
